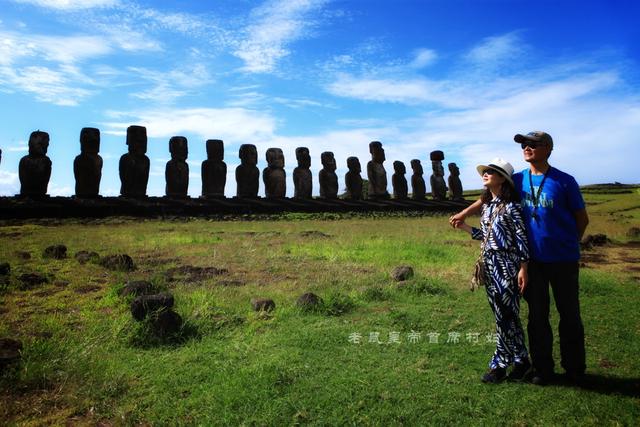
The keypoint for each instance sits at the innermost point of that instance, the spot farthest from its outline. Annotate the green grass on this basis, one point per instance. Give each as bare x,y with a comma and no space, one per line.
85,360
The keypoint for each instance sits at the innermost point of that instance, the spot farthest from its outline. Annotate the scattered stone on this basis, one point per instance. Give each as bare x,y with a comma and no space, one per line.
594,240
10,350
231,283
145,304
84,257
22,254
5,269
31,280
309,301
55,252
314,233
263,304
87,289
402,273
190,273
634,232
119,262
137,288
166,323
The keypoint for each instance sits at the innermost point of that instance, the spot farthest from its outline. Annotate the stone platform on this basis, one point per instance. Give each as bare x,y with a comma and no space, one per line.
101,207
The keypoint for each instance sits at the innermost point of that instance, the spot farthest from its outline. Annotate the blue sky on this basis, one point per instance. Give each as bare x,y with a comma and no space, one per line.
458,76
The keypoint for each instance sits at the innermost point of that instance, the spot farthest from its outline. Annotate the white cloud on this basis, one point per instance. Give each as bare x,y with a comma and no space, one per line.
168,86
23,146
70,4
9,183
493,51
399,90
275,25
423,58
48,85
233,124
64,49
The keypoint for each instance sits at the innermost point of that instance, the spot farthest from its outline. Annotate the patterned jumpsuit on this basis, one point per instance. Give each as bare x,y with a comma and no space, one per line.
505,249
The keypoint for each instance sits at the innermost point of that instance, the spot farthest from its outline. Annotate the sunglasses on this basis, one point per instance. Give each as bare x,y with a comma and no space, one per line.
532,145
489,172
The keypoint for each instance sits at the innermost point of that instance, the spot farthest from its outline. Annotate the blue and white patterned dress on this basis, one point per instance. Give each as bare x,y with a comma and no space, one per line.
505,249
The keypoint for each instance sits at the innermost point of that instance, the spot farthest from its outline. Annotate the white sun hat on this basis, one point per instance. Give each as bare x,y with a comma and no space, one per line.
501,166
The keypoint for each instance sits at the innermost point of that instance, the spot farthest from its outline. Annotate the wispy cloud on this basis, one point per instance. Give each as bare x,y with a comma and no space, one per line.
423,57
70,4
234,124
275,25
54,86
64,49
168,86
410,91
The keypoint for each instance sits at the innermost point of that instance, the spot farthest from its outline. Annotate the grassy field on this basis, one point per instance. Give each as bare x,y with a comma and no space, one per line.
376,353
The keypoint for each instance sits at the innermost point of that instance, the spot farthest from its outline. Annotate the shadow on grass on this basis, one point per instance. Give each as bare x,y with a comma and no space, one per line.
604,384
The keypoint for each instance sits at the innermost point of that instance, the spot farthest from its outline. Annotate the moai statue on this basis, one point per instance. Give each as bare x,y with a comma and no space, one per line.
418,188
274,176
302,179
438,186
455,185
35,168
398,181
328,177
247,173
176,172
134,166
375,172
353,180
214,170
87,166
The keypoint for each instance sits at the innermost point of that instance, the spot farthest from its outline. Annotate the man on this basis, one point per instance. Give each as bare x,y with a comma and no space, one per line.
555,217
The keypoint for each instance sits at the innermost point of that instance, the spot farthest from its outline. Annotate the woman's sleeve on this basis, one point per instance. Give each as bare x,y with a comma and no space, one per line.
522,243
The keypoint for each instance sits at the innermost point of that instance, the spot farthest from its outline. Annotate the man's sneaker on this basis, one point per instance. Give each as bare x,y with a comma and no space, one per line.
494,376
520,371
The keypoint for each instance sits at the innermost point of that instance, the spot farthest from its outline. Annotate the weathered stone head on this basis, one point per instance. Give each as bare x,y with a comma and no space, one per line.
399,167
303,157
436,162
38,143
248,154
215,149
328,161
137,139
275,158
178,148
353,164
453,169
90,141
377,152
416,166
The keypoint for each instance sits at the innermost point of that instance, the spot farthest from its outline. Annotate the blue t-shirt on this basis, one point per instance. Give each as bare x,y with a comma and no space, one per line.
552,231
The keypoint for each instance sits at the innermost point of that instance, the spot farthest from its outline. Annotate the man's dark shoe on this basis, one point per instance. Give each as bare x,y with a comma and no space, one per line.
520,371
574,377
494,376
538,378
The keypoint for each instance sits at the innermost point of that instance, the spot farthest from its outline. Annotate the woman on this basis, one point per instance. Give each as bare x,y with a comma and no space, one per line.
505,255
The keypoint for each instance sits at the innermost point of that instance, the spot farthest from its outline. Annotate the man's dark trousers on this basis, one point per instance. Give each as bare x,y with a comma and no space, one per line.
563,277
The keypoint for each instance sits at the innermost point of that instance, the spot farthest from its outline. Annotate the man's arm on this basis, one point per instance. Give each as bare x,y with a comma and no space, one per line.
582,220
472,209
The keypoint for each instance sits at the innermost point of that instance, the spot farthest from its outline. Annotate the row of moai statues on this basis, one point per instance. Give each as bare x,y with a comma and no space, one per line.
35,171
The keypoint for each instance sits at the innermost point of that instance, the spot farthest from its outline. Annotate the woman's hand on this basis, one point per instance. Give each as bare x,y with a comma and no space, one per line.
523,278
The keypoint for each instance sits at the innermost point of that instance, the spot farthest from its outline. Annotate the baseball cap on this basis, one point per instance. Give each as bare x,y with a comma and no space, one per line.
535,136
